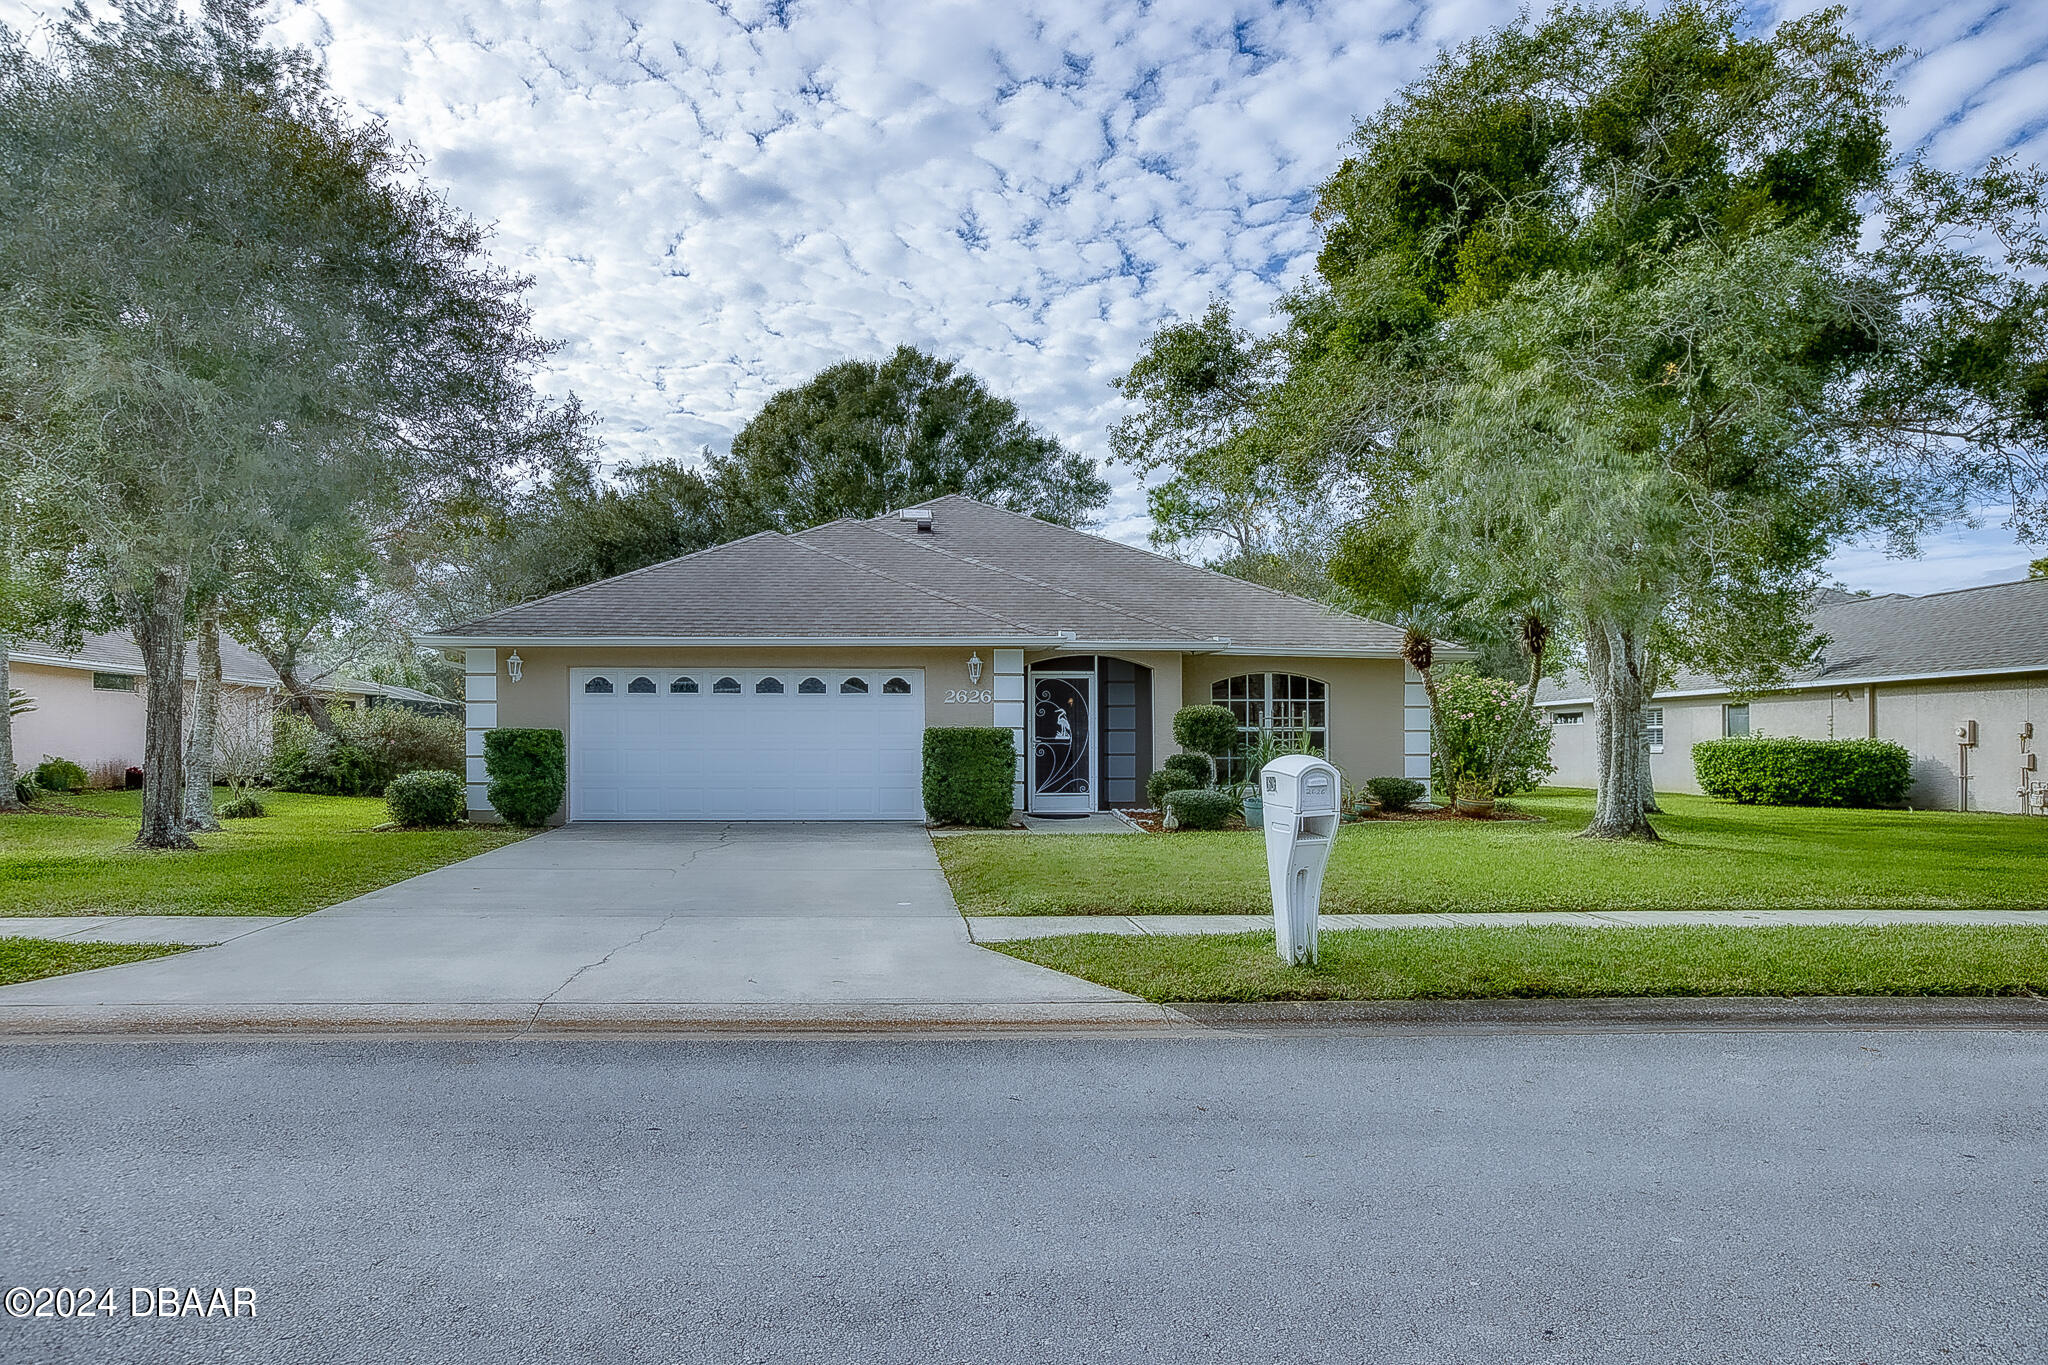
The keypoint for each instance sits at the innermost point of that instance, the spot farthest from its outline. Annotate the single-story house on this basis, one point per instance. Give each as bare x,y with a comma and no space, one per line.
791,677
1960,679
90,702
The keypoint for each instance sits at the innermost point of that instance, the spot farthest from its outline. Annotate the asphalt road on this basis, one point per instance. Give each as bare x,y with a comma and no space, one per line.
1556,1197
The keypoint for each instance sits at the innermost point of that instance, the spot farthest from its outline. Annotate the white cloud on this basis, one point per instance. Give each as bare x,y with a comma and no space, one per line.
718,199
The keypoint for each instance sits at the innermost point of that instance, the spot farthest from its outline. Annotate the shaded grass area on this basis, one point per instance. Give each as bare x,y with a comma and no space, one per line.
30,959
1714,856
309,852
1544,961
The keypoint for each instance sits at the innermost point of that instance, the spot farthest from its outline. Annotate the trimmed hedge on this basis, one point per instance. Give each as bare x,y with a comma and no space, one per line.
427,798
1168,780
529,773
1199,767
1769,770
1206,730
1395,793
968,770
1201,807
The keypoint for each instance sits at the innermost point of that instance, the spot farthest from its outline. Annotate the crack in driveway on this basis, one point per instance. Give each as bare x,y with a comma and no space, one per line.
722,841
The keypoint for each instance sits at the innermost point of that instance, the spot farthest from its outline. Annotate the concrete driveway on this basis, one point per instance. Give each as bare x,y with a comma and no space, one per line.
755,922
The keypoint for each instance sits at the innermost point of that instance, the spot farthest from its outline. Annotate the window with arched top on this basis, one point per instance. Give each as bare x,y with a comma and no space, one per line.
811,687
642,686
683,685
769,685
1289,707
726,685
899,687
854,685
598,687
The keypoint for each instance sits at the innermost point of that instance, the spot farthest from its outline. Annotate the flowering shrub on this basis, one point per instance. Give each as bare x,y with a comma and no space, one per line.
1476,741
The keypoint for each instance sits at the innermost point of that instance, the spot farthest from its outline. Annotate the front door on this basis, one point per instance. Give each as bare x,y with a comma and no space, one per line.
1062,743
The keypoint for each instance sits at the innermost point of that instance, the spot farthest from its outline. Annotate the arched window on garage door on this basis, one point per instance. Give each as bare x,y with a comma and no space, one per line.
598,687
1284,705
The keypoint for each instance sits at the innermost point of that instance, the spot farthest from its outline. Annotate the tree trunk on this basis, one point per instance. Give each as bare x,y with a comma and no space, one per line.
1616,660
158,622
201,748
8,799
303,699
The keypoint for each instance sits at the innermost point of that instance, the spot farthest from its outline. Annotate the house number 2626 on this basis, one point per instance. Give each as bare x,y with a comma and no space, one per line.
969,695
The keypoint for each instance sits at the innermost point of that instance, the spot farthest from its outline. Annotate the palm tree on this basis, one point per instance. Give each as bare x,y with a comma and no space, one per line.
19,703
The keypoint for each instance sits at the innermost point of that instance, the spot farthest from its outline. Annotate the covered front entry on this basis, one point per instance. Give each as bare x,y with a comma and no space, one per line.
727,743
1090,735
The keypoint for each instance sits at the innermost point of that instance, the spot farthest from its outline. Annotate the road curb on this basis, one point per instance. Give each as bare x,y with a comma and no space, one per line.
1832,1011
28,1023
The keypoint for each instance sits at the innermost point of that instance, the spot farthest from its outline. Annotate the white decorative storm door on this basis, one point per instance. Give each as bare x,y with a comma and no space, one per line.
1062,743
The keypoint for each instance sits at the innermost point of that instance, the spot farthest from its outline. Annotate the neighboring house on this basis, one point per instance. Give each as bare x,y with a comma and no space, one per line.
792,677
1914,670
89,704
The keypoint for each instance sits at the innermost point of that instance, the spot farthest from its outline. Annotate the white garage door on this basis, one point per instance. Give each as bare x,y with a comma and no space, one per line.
745,744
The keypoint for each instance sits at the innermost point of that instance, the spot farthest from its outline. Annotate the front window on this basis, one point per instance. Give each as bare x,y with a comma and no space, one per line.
1287,706
1653,728
1569,718
1735,720
113,682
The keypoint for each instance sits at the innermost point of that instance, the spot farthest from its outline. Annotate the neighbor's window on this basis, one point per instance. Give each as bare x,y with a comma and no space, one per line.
1287,705
113,682
1653,728
1569,718
1735,719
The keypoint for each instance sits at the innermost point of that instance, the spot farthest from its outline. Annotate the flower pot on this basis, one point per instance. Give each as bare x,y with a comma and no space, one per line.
1475,805
1254,812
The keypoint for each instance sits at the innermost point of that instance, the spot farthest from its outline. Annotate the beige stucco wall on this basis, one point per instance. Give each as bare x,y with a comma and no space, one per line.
1366,696
1922,717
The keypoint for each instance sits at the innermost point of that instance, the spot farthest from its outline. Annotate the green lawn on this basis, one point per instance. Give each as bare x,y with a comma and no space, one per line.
310,851
1714,857
26,959
1486,964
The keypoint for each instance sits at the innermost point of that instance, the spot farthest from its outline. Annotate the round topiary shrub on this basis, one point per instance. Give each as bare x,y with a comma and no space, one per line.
1201,807
1168,780
1395,793
968,771
242,807
60,775
529,772
1200,768
1208,730
427,798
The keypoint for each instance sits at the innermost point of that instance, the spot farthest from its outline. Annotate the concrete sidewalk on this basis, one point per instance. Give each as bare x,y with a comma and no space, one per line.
1009,928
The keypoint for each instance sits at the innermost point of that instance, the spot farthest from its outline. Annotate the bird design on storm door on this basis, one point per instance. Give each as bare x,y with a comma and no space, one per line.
1060,736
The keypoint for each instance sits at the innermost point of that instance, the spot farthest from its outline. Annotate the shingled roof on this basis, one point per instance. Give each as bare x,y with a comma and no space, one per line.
2000,628
981,573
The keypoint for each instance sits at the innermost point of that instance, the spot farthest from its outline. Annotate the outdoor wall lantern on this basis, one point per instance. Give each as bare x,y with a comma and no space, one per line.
513,665
974,667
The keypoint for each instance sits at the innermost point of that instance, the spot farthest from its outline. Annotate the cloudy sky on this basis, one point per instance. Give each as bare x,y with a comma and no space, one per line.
719,197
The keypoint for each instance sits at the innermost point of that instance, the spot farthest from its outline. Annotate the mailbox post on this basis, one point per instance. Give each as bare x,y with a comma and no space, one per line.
1300,793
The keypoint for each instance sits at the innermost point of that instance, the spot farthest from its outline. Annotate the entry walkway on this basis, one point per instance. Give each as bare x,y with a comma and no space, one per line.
1008,928
749,922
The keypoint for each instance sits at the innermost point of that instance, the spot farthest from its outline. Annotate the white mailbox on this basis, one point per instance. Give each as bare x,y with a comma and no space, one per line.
1301,794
